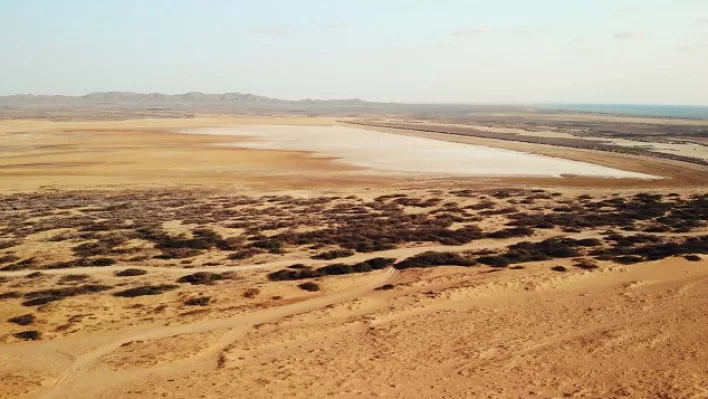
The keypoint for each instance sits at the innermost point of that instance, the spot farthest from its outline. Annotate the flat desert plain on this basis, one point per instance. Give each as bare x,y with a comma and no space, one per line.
225,256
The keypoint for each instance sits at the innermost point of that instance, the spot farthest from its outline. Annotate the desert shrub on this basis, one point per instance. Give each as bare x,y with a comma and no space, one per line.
130,272
200,278
271,245
9,258
692,258
309,286
179,253
198,301
486,204
91,249
251,293
559,268
42,297
146,290
557,247
652,249
432,259
34,275
627,259
335,270
585,264
71,278
293,274
101,262
4,244
334,254
245,253
494,261
82,262
10,295
24,320
385,287
379,263
21,265
32,335
511,232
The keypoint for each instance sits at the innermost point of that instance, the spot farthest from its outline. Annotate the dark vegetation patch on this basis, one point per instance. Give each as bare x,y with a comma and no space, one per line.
493,261
21,265
24,320
559,268
9,258
198,301
32,335
10,295
309,286
385,287
433,259
300,272
146,290
130,272
4,244
245,253
334,254
200,278
648,249
73,278
83,262
42,297
692,258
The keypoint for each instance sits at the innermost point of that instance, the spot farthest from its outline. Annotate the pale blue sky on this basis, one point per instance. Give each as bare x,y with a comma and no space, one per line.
501,51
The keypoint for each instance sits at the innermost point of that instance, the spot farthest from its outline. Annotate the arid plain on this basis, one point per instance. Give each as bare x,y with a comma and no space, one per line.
137,261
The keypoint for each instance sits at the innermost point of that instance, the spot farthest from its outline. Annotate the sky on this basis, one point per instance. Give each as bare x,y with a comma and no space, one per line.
416,51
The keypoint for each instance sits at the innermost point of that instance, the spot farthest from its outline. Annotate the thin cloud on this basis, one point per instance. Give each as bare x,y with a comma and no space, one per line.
470,32
629,35
279,32
704,20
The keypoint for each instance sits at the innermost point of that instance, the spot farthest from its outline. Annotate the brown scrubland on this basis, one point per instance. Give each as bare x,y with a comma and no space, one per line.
136,262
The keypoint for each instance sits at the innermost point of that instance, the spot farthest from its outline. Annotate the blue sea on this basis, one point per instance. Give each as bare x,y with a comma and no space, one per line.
670,111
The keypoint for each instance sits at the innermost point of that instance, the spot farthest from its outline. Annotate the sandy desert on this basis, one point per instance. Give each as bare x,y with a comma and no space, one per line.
273,255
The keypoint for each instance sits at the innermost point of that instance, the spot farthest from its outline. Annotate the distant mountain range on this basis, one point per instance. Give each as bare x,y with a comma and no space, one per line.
130,98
